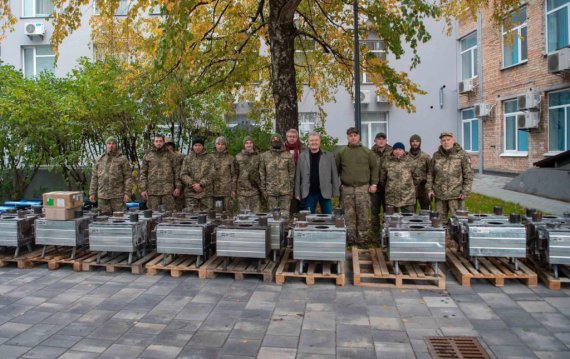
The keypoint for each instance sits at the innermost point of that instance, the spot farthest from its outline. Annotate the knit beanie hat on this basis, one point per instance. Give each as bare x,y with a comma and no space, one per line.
415,137
399,145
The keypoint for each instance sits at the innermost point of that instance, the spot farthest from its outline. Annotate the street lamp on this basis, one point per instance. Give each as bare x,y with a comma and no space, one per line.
357,117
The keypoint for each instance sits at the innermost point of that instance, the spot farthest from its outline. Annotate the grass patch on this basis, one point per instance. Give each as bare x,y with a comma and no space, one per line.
478,203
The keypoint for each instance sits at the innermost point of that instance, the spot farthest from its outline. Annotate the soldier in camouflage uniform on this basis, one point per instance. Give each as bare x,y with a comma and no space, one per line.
378,201
450,176
277,175
248,178
111,181
198,174
399,174
421,160
225,176
160,182
358,170
178,159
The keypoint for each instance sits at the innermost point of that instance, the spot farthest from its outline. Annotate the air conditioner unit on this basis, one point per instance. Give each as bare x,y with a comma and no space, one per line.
364,96
381,99
35,29
559,61
529,101
528,120
466,86
482,110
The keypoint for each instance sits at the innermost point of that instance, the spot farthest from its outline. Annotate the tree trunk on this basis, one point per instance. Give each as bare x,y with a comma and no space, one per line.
282,49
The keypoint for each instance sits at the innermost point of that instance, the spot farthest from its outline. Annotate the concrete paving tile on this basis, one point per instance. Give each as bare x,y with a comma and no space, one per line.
195,311
478,311
537,307
205,339
419,346
241,347
31,317
172,338
257,314
420,333
420,323
382,323
555,322
35,335
498,300
122,351
130,314
315,356
320,307
288,324
92,345
184,326
354,336
558,302
249,329
564,338
319,321
12,351
512,352
136,339
317,342
552,355
483,324
390,336
394,350
161,351
43,352
148,328
11,329
539,339
280,341
355,319
501,337
460,331
439,302
516,317
281,307
355,353
78,329
61,341
271,353
384,311
97,316
73,354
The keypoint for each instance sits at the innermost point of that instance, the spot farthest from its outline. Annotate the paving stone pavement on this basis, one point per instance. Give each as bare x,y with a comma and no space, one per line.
64,314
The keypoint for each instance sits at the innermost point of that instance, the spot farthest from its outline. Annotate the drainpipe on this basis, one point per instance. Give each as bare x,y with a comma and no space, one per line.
481,96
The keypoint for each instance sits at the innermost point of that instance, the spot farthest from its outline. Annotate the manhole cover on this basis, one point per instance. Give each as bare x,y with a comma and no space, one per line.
455,347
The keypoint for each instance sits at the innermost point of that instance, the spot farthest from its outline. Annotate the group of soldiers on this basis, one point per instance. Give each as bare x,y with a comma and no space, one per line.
291,176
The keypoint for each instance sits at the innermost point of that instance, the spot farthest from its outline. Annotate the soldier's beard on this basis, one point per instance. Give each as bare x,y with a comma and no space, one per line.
276,145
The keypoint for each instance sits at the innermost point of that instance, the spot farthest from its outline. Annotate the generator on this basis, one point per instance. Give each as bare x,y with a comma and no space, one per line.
17,230
71,233
243,240
549,241
190,235
413,238
276,226
319,242
120,234
489,235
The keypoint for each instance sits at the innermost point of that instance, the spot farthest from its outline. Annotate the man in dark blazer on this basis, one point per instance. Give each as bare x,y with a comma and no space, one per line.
316,178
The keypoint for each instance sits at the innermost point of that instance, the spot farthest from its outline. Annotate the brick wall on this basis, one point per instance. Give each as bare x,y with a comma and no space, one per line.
505,84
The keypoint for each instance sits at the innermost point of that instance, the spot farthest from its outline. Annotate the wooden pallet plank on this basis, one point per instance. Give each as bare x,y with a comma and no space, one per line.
288,268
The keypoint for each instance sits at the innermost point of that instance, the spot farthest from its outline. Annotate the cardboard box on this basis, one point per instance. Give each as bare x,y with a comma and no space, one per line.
61,214
63,199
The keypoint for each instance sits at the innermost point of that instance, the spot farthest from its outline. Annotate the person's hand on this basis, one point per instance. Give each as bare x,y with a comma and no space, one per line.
298,198
233,195
126,198
92,199
372,188
430,195
462,196
176,192
144,195
196,187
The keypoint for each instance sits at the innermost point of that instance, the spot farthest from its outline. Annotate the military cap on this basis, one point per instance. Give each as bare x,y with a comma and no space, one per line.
248,138
445,133
278,136
111,139
352,130
197,140
380,135
169,141
221,139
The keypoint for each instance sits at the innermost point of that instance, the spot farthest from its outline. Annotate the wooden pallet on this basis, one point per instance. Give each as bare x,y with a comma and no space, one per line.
290,268
61,255
495,270
116,262
22,261
176,266
372,269
548,279
239,268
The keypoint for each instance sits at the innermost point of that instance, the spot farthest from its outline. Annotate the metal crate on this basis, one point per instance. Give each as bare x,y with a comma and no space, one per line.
416,243
17,232
496,238
243,240
320,219
185,237
118,235
319,242
72,233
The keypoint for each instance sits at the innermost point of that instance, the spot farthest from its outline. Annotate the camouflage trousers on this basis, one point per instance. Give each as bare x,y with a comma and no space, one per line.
108,206
154,202
283,202
251,203
199,204
422,197
355,203
378,202
448,207
180,202
405,209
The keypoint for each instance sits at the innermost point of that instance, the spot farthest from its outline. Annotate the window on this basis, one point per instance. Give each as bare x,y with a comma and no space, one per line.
557,24
37,59
307,122
514,39
304,47
558,121
375,48
468,46
470,125
371,124
516,141
37,8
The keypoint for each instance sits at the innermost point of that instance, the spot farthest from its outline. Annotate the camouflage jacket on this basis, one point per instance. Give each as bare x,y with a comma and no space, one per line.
450,173
111,177
198,168
159,173
400,178
225,174
277,172
381,156
422,161
247,173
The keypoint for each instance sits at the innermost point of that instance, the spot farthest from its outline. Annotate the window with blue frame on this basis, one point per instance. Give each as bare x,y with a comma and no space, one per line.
557,24
515,140
558,122
514,38
470,125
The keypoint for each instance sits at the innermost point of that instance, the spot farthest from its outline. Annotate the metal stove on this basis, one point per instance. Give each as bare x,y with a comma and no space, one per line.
17,230
549,242
71,233
119,235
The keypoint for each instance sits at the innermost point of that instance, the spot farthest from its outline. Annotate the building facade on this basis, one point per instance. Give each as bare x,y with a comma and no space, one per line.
514,89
